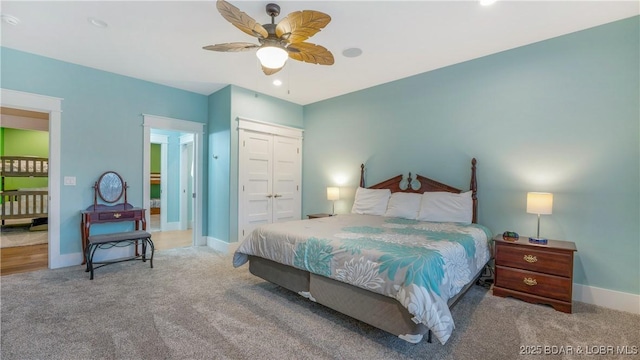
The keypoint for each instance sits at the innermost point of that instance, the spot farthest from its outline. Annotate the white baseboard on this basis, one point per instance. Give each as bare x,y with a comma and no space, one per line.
611,299
66,260
172,226
221,245
75,259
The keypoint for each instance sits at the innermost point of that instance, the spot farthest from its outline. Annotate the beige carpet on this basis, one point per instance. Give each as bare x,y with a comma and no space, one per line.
19,235
194,305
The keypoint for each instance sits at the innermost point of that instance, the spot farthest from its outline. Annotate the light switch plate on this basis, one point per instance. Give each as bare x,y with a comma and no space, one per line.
70,180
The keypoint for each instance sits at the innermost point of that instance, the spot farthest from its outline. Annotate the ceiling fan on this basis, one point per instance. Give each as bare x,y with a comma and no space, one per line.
278,41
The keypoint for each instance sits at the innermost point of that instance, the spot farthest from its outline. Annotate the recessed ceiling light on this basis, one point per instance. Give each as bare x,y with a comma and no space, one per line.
277,82
352,52
97,22
487,2
10,19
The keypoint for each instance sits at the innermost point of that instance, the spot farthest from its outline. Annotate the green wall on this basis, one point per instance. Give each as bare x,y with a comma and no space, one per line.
18,142
560,115
155,161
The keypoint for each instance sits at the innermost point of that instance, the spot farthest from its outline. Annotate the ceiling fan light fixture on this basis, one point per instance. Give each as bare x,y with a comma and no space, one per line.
272,57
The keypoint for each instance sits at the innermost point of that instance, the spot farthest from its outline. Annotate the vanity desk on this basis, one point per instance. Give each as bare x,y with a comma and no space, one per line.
99,214
110,188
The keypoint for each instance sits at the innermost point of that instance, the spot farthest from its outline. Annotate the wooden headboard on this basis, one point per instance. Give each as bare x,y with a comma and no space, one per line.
426,185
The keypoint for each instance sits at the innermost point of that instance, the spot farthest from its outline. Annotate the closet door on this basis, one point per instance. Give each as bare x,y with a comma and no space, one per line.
269,175
286,179
256,180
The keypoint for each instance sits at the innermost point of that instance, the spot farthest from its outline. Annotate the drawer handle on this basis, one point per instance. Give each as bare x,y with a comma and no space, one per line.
530,281
530,258
117,215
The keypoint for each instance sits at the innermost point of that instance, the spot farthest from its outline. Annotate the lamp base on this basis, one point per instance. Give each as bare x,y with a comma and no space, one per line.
539,241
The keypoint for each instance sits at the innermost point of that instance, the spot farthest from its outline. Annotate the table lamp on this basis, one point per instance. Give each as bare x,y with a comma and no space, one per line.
333,194
539,203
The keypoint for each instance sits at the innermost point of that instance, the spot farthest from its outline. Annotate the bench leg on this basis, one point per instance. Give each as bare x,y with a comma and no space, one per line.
92,250
148,240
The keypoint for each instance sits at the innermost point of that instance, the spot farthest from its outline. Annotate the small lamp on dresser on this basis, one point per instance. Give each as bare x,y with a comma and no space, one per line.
539,203
333,194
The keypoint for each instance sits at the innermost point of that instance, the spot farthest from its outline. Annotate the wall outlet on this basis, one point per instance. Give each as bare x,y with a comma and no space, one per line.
70,180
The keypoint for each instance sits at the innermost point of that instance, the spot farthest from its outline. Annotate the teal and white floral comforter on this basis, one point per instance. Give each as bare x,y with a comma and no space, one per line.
421,264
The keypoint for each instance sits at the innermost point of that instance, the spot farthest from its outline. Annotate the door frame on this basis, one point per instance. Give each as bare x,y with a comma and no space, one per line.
53,107
186,142
195,128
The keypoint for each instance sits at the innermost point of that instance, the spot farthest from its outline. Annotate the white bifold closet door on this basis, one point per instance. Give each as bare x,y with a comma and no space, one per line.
269,177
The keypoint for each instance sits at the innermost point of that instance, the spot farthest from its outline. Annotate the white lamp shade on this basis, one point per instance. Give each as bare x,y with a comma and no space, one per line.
333,193
539,203
272,57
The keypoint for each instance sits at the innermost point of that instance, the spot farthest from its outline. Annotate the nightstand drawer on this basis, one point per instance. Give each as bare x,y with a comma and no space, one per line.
550,286
556,263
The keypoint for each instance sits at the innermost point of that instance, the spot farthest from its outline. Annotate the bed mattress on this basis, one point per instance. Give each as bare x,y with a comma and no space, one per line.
419,264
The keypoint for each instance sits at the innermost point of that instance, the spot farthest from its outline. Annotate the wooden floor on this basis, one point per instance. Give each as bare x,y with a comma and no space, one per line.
20,259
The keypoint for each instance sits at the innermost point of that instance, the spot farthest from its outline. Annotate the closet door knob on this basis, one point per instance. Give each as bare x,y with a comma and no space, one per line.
269,196
277,196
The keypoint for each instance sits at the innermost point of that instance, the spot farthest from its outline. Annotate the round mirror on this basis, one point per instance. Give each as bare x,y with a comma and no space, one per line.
110,186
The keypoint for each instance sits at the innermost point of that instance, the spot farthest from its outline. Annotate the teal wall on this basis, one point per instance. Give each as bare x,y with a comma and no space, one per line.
101,126
219,159
560,116
225,107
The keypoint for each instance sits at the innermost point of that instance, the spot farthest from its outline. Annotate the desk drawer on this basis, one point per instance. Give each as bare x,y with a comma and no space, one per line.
551,286
534,259
117,215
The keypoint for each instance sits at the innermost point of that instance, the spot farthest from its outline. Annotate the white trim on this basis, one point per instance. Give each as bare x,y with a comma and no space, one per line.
611,299
221,245
186,138
173,226
269,128
52,106
186,167
160,122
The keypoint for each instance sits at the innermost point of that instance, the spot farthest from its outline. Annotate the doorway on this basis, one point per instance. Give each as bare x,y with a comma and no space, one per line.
51,106
180,219
24,145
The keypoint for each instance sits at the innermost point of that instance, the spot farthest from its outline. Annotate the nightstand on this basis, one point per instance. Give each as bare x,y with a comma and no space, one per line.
316,216
539,274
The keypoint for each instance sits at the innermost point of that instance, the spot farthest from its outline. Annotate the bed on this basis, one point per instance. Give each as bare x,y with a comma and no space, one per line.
398,264
24,203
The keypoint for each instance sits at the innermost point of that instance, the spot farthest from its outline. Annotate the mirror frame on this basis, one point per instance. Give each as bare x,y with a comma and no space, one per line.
104,191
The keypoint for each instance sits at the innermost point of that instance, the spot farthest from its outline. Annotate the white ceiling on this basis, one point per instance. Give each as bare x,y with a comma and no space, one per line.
161,41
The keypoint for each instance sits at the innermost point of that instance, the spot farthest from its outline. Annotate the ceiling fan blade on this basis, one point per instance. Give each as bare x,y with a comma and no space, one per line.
268,71
241,20
301,25
231,47
311,53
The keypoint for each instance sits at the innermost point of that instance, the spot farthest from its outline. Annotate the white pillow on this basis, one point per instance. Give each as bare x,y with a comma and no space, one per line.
446,207
371,201
404,205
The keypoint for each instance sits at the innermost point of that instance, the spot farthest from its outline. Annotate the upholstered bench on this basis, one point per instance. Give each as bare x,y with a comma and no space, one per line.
120,239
